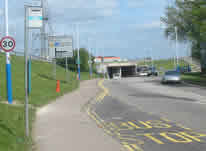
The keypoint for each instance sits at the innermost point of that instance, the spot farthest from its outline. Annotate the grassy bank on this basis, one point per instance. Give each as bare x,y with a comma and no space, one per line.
195,78
12,136
164,64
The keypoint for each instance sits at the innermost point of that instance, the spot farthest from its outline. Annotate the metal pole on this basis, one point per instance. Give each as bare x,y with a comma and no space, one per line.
54,68
103,63
8,64
42,31
54,64
90,70
67,76
78,55
177,57
26,32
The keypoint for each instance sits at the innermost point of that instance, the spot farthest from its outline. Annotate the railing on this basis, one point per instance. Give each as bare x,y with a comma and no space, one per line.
33,57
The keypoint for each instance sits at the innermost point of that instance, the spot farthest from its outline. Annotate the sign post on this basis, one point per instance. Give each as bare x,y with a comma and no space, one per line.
61,47
8,44
26,40
8,64
33,20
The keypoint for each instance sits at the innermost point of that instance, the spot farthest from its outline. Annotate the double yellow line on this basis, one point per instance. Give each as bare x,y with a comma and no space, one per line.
100,122
105,92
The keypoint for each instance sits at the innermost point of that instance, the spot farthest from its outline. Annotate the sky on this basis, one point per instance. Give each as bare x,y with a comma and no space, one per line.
126,28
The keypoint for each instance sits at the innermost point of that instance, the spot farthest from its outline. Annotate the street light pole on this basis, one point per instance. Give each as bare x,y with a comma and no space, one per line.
8,64
176,34
26,37
78,55
90,60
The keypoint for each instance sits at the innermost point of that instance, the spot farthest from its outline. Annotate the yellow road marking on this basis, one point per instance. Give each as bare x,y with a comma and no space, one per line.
158,124
134,125
145,124
129,147
181,126
184,139
193,135
136,147
153,138
165,119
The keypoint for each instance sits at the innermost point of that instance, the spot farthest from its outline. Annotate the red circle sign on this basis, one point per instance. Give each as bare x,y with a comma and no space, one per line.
7,44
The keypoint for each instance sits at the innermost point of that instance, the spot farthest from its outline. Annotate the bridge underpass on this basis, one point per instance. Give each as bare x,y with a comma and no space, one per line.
124,69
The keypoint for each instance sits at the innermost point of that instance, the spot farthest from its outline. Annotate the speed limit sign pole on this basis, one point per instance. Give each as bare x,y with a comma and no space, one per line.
8,63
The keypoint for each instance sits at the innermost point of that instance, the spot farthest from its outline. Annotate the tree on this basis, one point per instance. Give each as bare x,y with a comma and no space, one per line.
190,19
72,62
84,58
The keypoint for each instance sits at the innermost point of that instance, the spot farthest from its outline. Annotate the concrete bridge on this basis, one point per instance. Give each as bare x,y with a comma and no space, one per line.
125,69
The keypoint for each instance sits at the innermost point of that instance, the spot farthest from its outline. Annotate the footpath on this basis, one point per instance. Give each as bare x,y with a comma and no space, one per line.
64,125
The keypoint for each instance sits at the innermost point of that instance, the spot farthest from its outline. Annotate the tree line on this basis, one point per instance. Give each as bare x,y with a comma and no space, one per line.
72,62
189,17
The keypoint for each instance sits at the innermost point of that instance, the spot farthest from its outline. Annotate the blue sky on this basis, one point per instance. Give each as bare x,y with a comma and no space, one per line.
125,28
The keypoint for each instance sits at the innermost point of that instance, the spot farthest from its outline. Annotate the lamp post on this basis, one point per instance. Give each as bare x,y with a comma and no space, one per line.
8,64
78,55
176,45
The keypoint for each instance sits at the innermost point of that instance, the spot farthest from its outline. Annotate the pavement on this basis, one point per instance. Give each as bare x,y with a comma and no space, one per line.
144,115
65,125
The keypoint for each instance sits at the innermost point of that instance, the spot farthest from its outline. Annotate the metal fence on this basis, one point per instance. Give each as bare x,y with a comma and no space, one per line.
33,57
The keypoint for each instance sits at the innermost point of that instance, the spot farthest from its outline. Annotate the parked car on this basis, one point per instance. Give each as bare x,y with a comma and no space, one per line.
171,76
116,76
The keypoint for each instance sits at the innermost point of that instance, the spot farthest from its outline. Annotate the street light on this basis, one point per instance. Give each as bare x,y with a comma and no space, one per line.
176,45
78,55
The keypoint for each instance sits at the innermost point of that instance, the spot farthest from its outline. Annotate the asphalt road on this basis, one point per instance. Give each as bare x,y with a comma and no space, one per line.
144,115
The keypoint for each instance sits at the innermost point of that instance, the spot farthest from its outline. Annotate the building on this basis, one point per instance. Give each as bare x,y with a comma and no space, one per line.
100,59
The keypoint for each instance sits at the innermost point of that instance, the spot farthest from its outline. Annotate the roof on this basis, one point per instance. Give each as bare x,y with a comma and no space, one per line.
99,57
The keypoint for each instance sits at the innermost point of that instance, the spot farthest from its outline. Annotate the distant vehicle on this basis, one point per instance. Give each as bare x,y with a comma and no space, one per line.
152,71
143,71
116,76
171,77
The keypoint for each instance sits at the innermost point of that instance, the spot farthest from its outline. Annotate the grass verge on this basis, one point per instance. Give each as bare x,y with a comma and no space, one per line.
195,78
164,64
12,130
12,134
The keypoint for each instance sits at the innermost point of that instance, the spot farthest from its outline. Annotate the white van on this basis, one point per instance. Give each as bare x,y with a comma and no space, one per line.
116,76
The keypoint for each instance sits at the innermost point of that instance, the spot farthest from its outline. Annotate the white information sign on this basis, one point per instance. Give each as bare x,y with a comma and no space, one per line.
35,17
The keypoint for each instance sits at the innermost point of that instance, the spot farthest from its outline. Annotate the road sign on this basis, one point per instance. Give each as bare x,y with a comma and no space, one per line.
7,44
61,46
35,17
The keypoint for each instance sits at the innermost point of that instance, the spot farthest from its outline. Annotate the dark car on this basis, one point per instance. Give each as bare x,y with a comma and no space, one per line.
152,71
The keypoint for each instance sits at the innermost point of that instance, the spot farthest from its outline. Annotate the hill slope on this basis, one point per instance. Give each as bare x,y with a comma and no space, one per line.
12,133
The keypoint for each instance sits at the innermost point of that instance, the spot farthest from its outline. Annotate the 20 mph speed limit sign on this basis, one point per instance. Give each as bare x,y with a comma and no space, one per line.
7,44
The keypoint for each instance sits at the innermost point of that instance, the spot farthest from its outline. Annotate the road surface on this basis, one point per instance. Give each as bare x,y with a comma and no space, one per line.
144,115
